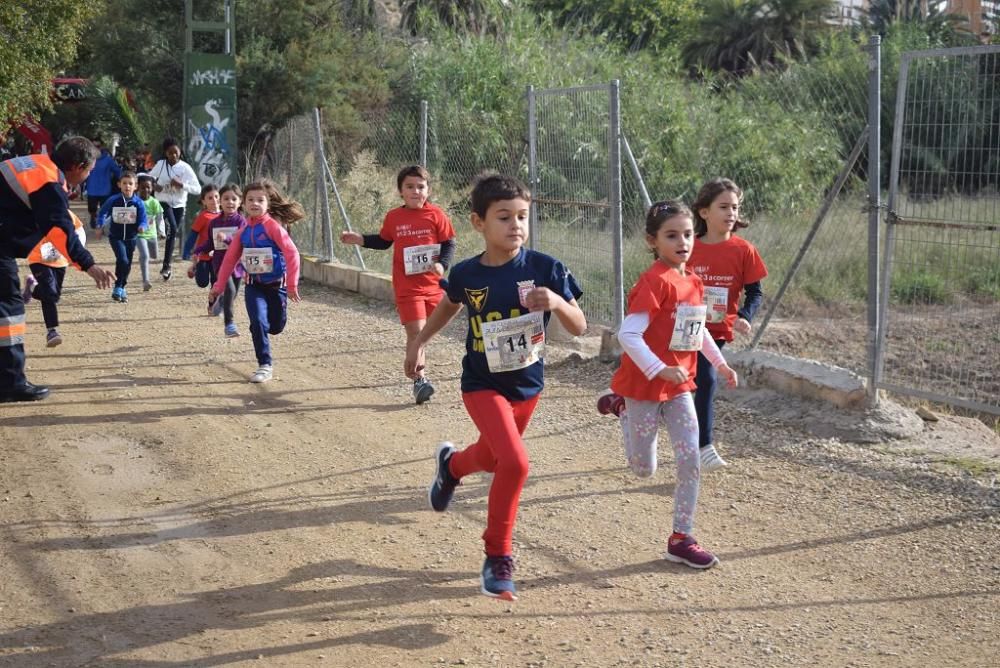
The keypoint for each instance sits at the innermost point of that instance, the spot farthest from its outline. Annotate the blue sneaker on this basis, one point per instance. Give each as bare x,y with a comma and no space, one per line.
215,308
422,390
116,294
124,299
232,331
497,578
443,487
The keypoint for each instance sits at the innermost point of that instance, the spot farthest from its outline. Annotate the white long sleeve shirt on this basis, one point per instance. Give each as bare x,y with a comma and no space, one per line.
170,196
630,336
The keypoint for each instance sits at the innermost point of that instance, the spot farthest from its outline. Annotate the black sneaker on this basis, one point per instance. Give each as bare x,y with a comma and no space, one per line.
497,578
443,486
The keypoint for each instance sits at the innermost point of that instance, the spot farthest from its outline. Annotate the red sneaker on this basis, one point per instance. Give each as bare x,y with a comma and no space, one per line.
609,403
690,553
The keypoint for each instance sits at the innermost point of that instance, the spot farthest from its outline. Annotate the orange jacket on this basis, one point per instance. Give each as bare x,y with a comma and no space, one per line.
33,205
46,253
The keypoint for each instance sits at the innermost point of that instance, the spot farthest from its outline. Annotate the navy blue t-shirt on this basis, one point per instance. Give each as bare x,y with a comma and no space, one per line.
493,293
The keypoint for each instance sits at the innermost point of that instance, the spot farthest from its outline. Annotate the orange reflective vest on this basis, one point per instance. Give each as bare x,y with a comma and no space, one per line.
45,252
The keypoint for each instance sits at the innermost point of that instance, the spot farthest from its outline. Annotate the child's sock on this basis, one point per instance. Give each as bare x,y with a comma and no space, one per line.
677,537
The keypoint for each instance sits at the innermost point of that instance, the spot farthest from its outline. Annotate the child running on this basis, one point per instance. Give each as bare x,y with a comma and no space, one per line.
201,263
425,245
726,264
145,240
44,283
666,314
220,233
271,261
124,215
509,292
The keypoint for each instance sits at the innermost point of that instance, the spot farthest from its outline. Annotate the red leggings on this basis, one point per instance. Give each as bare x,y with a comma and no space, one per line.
500,451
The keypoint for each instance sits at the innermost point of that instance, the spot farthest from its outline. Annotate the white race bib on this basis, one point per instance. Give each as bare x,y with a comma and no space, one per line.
49,252
688,328
123,215
219,236
514,343
258,260
420,259
717,302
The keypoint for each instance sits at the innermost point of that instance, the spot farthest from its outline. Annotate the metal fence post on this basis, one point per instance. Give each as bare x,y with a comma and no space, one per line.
874,207
423,133
615,202
635,172
532,165
324,196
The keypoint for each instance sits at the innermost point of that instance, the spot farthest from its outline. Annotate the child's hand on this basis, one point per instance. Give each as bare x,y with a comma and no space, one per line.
543,299
293,294
727,372
191,270
352,238
439,269
413,365
98,232
213,294
176,183
742,325
674,374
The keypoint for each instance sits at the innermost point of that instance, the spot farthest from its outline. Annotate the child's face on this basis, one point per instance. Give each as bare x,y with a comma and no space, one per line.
255,203
145,189
505,226
127,185
210,200
673,241
172,154
230,202
721,215
414,192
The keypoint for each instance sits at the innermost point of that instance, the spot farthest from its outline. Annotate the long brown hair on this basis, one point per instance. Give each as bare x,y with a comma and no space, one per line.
284,210
706,196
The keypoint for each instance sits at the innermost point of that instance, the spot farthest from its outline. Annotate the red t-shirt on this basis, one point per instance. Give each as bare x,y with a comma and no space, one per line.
200,225
406,228
725,268
658,292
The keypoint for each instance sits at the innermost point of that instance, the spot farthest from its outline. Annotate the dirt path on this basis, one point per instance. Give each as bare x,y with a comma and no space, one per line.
158,510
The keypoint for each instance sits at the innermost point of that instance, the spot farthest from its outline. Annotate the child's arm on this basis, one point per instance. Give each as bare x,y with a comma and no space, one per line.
445,257
277,232
754,297
233,254
714,356
568,312
373,241
140,217
102,215
441,316
630,336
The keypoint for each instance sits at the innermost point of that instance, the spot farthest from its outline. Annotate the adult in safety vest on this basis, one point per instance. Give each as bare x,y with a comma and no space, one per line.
33,205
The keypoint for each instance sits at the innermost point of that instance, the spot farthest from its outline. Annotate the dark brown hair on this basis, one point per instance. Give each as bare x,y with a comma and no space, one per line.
285,211
74,151
231,187
663,211
706,196
411,170
489,188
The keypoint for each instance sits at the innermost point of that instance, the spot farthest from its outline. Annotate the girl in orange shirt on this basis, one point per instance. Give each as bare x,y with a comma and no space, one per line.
727,264
661,336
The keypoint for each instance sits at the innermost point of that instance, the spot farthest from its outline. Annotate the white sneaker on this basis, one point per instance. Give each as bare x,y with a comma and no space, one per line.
710,459
262,374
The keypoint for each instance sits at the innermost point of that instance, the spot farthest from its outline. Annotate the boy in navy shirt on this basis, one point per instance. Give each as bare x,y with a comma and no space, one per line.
509,293
124,215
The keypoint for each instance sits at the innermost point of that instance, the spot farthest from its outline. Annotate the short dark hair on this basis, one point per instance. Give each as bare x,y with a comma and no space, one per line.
411,170
74,151
168,142
489,188
128,174
207,188
145,177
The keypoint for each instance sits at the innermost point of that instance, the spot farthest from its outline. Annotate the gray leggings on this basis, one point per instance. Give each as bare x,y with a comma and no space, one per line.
147,249
640,424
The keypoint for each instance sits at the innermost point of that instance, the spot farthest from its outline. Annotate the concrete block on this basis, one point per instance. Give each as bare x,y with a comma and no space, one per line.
309,268
798,377
375,285
341,276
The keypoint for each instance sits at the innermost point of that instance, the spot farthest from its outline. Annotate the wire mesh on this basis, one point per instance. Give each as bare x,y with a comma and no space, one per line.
942,325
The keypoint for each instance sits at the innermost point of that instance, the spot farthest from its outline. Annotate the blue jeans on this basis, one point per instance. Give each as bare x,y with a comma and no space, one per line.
267,306
704,397
124,250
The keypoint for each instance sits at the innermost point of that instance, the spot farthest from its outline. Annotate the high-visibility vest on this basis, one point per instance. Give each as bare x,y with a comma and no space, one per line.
45,253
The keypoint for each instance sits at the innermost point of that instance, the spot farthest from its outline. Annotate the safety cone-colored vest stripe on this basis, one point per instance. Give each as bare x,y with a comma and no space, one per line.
12,329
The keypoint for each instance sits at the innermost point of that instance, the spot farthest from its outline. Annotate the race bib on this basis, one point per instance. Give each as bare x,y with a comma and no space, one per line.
420,259
514,343
123,215
258,260
688,326
49,252
219,236
717,302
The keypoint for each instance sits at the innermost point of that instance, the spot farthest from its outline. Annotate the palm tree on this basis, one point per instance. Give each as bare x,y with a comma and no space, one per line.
880,14
478,17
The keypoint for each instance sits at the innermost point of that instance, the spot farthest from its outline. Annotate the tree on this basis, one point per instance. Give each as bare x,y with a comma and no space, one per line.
938,25
637,23
478,17
39,38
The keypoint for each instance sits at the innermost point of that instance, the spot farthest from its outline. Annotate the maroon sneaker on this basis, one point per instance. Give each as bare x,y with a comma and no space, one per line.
609,403
690,553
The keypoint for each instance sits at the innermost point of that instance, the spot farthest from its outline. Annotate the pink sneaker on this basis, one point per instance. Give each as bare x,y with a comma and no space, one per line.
690,553
609,403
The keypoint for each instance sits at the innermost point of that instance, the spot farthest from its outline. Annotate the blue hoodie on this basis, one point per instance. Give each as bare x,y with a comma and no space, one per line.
118,230
104,176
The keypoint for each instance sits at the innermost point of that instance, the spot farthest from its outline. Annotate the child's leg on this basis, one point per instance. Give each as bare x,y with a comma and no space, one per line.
171,222
681,422
203,273
129,248
232,289
500,449
121,261
277,310
640,422
256,302
412,329
704,398
142,245
47,291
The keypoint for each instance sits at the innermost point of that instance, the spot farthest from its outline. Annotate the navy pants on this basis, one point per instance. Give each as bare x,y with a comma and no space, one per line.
48,291
704,398
173,219
267,307
11,327
124,250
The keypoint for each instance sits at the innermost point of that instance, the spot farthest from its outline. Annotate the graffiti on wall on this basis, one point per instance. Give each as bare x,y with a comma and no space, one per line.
208,147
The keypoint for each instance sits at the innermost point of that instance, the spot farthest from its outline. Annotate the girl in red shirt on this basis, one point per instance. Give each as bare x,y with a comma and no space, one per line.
727,264
661,337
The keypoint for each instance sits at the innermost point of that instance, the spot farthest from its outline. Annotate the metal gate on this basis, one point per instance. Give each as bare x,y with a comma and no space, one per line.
939,336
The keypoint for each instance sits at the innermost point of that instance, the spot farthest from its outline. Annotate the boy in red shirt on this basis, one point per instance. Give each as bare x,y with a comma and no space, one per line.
424,246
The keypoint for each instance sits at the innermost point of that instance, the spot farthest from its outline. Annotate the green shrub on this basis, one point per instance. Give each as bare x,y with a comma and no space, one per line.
919,286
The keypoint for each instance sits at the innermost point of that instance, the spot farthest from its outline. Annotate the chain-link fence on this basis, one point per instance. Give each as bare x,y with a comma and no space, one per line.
940,337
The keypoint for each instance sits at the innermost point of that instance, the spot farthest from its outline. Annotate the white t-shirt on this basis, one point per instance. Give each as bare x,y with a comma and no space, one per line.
170,196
